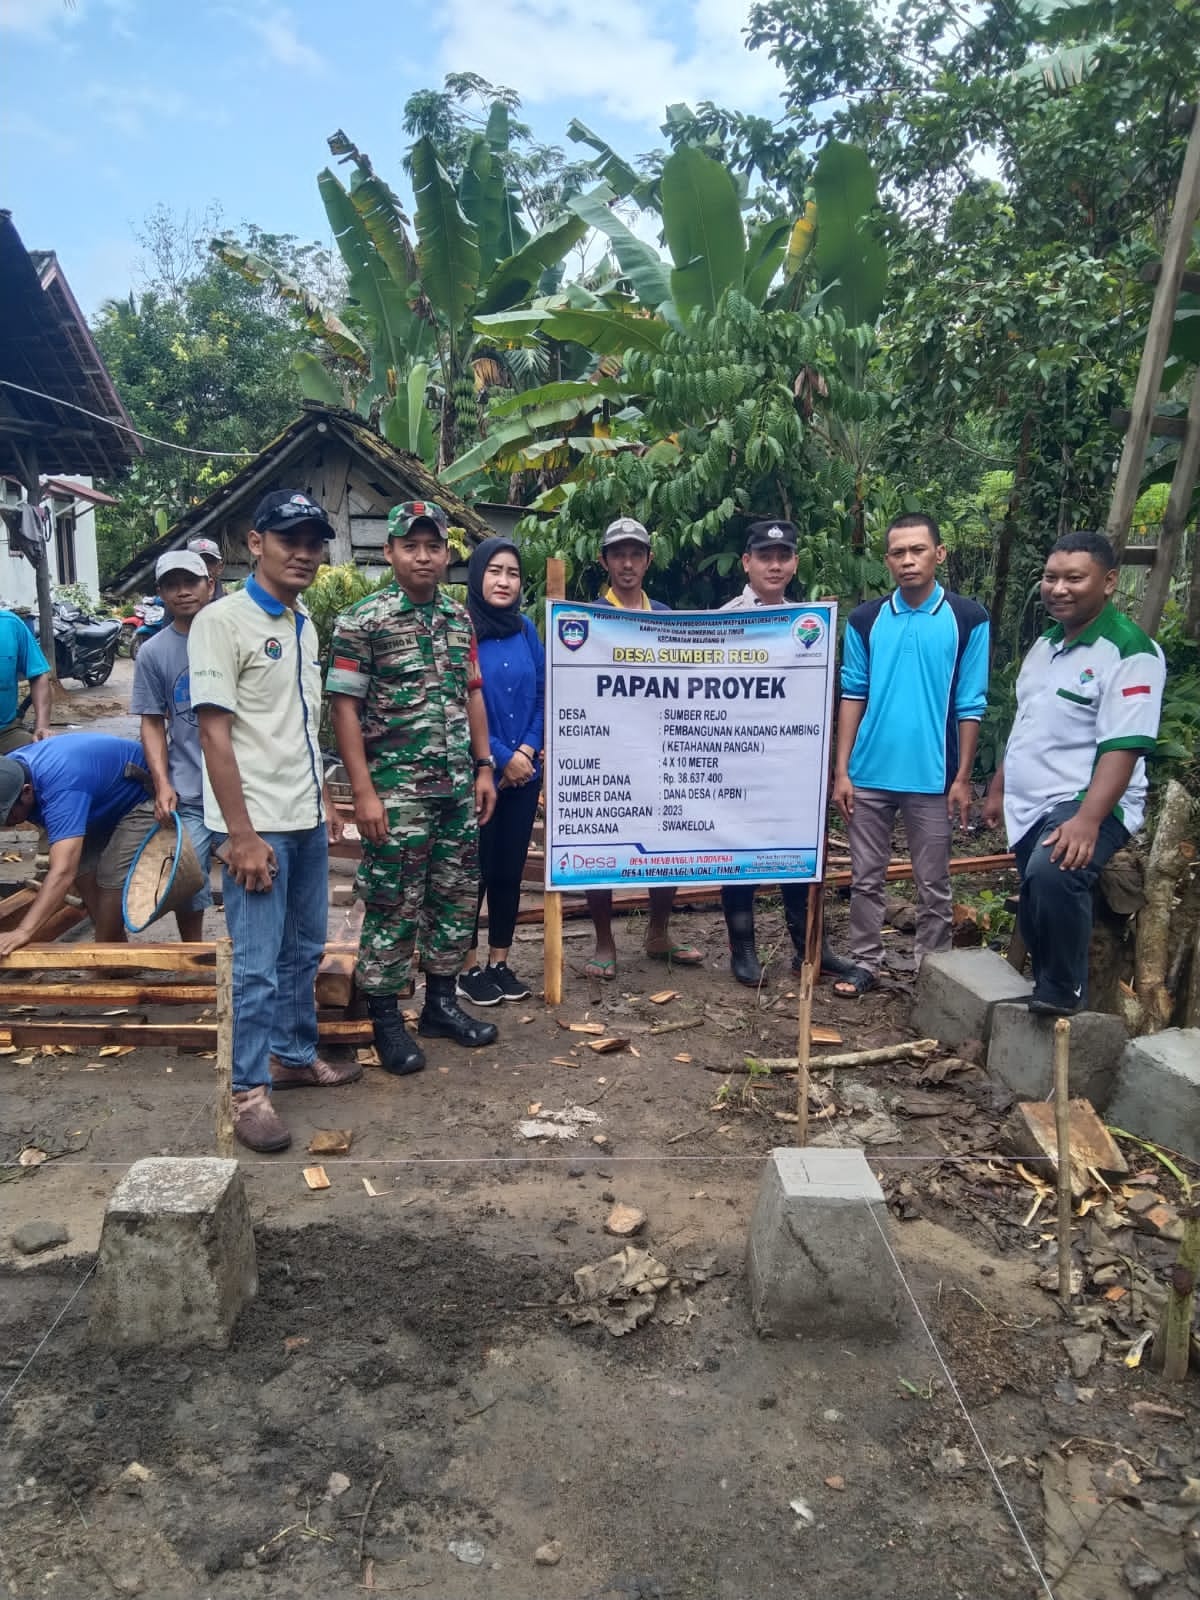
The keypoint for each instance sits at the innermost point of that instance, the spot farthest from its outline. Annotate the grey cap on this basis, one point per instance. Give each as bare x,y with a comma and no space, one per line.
625,528
180,561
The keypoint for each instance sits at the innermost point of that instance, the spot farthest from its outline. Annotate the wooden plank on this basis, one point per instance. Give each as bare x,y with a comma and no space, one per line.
62,921
335,977
96,1031
14,906
164,957
103,993
1160,427
224,1113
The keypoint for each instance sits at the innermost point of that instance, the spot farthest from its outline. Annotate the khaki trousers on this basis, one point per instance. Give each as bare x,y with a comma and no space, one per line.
927,828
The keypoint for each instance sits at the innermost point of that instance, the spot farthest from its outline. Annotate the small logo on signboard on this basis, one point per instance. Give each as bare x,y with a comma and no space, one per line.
573,631
808,630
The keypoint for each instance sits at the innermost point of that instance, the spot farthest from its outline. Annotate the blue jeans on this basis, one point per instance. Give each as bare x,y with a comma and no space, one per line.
1055,910
278,940
203,838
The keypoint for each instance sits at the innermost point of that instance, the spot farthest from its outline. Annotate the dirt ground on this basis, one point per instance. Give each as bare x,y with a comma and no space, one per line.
410,1340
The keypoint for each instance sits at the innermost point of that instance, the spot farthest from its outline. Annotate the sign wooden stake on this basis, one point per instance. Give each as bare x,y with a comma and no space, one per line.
1062,1135
552,913
225,1048
803,1053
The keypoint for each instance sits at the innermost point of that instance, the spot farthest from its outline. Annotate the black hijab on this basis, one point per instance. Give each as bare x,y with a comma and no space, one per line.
491,622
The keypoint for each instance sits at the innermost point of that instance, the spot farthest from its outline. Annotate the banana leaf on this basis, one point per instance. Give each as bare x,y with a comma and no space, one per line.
483,195
605,332
405,420
849,258
617,172
765,251
382,298
703,224
318,320
800,241
514,233
315,382
638,261
517,278
384,221
550,393
447,244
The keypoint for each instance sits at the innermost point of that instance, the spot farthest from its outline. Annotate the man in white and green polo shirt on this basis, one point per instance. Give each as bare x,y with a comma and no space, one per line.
1072,786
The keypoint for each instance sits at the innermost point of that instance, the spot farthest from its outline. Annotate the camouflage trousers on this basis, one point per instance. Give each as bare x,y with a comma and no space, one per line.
421,890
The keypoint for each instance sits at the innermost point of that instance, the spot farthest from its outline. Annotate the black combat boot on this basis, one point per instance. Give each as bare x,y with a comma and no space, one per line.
443,1018
743,957
795,914
399,1053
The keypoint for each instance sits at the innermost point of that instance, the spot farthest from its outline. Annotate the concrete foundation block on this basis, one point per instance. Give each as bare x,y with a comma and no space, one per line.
1158,1090
176,1262
1021,1053
956,990
819,1266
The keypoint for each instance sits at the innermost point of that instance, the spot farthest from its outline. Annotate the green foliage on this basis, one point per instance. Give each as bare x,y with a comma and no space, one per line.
334,590
78,594
1178,752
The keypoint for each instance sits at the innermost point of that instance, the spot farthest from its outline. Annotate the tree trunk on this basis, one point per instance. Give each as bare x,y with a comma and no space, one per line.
1008,529
1187,467
1193,610
1172,853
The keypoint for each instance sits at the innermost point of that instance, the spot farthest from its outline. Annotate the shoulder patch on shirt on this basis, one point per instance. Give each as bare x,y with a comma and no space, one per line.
1136,688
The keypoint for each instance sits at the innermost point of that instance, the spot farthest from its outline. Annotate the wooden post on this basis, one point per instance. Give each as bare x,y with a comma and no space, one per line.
804,1052
1062,1134
1173,1341
1179,501
225,1144
1158,337
552,910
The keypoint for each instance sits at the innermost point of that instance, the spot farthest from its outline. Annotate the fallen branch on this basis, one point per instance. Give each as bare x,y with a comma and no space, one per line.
674,1027
362,1527
911,1050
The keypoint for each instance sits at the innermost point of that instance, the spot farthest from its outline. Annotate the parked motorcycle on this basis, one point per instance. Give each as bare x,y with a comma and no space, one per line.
84,647
152,619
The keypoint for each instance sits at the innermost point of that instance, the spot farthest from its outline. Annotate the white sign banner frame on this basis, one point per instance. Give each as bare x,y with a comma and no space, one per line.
687,747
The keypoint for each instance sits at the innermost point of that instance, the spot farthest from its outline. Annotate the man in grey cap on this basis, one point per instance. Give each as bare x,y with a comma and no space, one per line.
213,560
769,562
625,552
170,731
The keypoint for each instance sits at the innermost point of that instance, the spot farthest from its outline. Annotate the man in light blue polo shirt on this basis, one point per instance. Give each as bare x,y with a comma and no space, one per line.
914,689
21,657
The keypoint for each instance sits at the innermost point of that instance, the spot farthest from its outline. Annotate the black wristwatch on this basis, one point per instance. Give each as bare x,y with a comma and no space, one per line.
484,761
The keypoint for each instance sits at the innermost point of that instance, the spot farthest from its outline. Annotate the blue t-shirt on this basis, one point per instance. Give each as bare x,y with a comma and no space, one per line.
79,782
514,692
922,670
161,688
20,657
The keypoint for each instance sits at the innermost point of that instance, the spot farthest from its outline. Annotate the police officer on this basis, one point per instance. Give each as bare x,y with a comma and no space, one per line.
412,732
769,562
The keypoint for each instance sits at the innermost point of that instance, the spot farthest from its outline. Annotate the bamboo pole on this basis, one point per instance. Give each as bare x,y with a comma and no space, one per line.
225,1048
1062,1134
552,908
1173,1342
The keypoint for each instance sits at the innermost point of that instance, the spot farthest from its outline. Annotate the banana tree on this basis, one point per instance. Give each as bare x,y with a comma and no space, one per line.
416,354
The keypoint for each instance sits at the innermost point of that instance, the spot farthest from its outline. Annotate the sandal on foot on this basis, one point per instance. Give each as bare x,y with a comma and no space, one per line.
598,967
855,984
683,955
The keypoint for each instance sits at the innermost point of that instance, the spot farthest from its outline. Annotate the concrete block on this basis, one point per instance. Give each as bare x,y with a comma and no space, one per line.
1020,1053
956,990
1158,1090
818,1265
176,1262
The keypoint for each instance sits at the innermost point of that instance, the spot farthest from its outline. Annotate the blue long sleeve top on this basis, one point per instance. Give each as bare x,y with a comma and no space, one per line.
514,692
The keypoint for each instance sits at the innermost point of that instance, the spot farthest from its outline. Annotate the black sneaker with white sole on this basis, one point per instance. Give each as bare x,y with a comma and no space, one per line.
502,977
477,986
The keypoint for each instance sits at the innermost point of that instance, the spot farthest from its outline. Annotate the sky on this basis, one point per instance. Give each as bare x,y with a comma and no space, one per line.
109,108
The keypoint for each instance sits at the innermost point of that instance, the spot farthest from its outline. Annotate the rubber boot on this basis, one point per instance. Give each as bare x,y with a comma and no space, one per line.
796,917
743,957
399,1053
443,1017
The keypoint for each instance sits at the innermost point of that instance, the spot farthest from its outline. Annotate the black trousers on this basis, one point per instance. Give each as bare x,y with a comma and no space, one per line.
737,902
503,846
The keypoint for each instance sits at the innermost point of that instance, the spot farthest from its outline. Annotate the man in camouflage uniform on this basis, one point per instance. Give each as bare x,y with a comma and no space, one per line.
411,728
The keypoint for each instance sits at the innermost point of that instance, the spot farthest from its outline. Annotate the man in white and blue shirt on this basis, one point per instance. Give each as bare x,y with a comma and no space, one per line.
914,689
1072,785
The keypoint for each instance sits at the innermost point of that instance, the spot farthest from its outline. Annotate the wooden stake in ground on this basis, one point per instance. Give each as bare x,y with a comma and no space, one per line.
225,1048
552,910
803,1052
1062,1130
1173,1343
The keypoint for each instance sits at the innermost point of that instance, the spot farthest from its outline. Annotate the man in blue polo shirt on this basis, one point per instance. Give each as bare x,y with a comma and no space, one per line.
914,689
21,657
1072,786
90,793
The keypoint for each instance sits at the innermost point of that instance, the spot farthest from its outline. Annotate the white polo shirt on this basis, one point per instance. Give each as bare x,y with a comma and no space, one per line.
1075,702
250,655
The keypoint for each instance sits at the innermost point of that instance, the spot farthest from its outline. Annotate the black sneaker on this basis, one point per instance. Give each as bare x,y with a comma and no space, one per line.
502,977
477,986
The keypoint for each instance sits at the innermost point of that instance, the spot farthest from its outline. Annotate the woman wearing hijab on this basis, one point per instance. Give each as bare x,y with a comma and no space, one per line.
513,665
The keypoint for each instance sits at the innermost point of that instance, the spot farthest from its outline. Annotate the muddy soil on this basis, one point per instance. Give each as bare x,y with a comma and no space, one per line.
410,1340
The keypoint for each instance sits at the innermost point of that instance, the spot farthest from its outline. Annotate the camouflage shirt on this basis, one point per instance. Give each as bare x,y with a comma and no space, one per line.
412,667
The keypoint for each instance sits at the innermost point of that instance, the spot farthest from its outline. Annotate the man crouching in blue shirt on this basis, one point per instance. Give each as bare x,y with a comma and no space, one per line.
914,689
89,792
